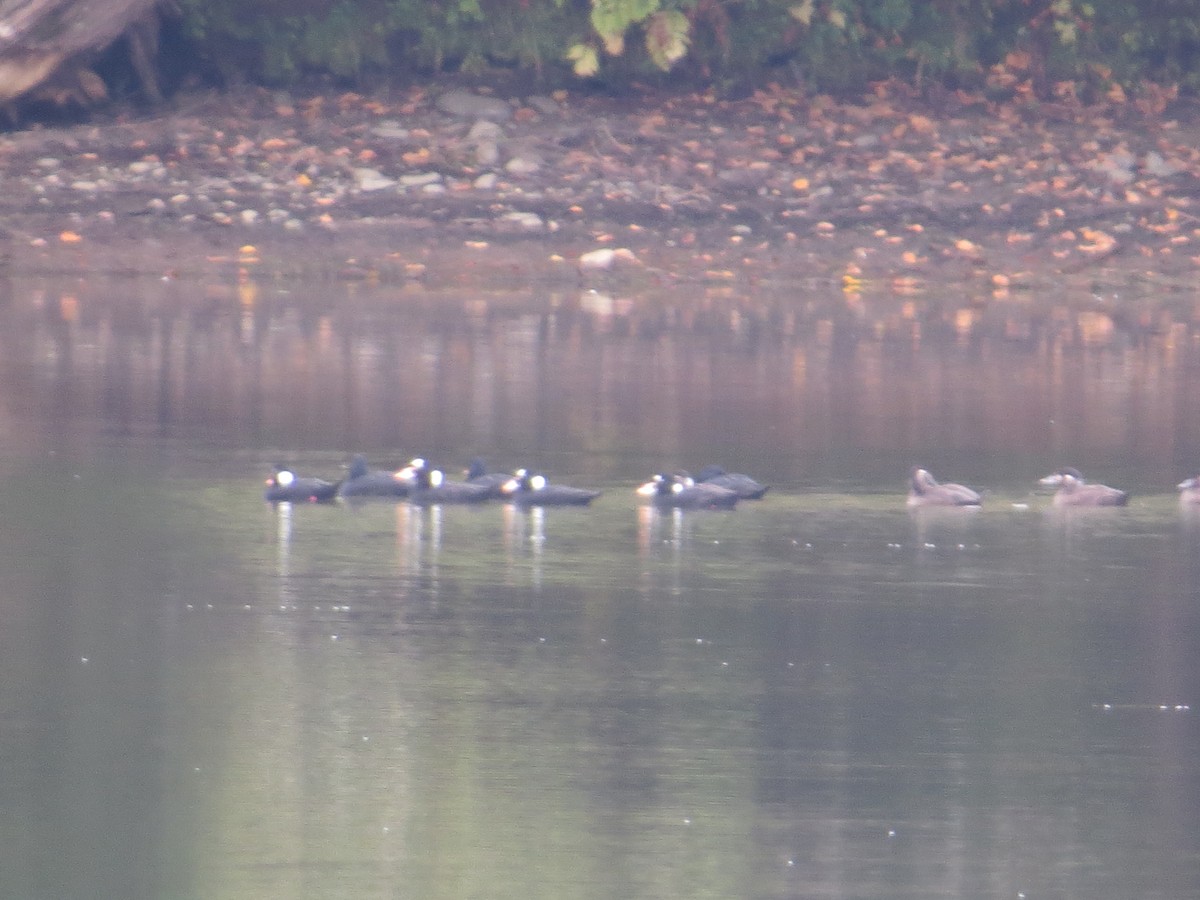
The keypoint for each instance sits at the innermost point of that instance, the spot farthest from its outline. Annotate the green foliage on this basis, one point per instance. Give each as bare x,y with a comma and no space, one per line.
830,44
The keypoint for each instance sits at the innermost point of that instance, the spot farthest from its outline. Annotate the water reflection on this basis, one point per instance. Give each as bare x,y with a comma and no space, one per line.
525,542
283,517
663,375
820,694
419,545
941,530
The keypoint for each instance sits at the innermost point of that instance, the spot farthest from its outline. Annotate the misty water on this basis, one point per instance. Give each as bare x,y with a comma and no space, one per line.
820,694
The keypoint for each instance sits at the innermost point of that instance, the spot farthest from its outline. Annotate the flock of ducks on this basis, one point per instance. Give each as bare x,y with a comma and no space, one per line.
712,488
418,482
1071,490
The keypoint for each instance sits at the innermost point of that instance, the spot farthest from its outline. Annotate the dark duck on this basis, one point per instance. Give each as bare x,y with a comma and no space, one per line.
679,491
429,486
1073,490
285,486
743,485
477,473
362,481
526,489
925,490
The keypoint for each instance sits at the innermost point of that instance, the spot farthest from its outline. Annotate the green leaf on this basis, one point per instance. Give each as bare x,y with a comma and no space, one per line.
612,18
804,12
585,60
667,38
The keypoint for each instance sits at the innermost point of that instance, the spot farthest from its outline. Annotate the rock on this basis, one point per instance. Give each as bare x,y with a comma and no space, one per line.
472,106
372,180
249,216
606,258
742,178
1156,166
1117,166
523,165
484,130
390,130
523,221
419,179
487,153
547,106
486,181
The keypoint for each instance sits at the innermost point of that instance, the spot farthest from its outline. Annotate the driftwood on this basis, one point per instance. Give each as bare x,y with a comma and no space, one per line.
47,46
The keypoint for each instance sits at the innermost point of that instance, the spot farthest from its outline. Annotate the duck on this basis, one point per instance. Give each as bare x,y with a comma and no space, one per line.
285,486
428,486
680,491
1189,491
743,485
1073,490
924,490
477,473
526,489
362,481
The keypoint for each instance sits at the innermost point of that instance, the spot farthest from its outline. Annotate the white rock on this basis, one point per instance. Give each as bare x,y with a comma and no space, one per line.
372,180
485,130
527,221
390,129
1156,166
523,165
419,179
606,258
487,153
472,106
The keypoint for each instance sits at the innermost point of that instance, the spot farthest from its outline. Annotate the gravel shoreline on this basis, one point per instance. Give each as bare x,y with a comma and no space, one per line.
462,184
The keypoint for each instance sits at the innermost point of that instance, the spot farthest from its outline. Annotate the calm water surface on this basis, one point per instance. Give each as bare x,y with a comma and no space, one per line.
820,695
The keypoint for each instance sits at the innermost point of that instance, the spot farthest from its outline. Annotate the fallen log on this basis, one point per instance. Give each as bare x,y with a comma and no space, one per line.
49,45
